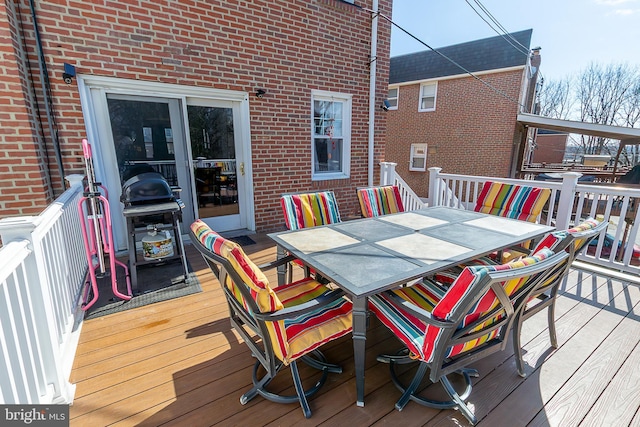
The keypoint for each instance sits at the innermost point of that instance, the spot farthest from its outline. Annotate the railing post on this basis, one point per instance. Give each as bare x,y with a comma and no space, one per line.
74,179
565,204
434,186
387,173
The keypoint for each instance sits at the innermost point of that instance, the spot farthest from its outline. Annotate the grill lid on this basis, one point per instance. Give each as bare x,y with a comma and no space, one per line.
149,187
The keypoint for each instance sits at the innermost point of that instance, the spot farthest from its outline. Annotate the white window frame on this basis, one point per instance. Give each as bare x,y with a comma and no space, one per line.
344,134
393,100
421,97
418,151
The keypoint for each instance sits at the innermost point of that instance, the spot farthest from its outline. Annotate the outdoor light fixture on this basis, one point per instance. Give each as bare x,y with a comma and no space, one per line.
385,105
69,73
260,93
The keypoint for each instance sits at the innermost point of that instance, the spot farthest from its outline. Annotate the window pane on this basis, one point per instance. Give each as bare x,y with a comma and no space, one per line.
428,103
429,90
418,163
337,128
328,155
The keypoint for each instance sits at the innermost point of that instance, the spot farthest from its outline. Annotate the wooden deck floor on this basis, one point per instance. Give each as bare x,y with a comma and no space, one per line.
177,363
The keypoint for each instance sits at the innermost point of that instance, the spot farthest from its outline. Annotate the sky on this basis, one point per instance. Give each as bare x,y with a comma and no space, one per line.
571,33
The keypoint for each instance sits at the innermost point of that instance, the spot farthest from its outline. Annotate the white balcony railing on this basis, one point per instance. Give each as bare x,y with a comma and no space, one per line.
41,275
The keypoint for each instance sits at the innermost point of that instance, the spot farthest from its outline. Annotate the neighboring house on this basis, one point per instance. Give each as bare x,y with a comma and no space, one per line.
439,115
549,147
236,102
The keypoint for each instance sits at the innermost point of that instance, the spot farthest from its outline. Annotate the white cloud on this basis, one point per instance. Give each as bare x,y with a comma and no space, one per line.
626,12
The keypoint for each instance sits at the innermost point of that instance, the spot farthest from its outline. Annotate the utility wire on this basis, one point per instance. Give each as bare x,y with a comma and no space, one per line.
497,91
504,34
504,30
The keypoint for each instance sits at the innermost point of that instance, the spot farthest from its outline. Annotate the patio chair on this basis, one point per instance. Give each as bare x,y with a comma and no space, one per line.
572,241
520,202
383,200
447,329
303,210
280,325
512,201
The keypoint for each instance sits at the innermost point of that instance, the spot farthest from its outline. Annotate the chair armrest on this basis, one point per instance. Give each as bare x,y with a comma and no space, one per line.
297,310
277,263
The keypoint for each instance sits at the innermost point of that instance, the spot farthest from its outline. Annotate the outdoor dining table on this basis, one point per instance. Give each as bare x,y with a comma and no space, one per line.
370,255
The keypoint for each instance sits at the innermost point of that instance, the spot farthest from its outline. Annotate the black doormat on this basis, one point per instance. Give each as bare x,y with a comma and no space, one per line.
157,283
243,240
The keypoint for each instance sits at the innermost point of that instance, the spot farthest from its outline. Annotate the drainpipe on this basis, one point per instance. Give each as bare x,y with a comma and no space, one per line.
372,88
46,93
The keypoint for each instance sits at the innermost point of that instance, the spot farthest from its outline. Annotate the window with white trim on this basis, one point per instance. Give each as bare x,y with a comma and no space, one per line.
392,97
418,161
330,135
428,93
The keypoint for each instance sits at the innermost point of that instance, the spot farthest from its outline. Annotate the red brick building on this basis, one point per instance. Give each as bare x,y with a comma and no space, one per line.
462,123
550,147
274,96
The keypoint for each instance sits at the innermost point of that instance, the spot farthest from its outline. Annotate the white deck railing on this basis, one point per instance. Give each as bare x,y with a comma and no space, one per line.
41,276
569,203
388,176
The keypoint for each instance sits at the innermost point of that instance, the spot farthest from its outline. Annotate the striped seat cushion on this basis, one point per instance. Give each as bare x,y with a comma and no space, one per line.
290,338
309,331
309,209
376,201
512,201
441,301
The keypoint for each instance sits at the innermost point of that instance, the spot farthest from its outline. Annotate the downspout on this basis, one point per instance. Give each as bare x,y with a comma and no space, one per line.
46,92
372,88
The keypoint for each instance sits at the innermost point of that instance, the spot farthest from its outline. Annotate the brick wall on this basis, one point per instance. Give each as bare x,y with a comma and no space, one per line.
286,47
550,148
471,132
24,184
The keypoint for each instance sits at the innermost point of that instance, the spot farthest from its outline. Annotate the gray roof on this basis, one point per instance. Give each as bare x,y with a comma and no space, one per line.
479,55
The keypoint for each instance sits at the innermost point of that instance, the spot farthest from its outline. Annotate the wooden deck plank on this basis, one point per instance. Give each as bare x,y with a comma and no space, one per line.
178,363
580,332
570,404
620,400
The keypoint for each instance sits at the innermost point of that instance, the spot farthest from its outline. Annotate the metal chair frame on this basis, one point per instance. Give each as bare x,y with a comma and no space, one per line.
546,292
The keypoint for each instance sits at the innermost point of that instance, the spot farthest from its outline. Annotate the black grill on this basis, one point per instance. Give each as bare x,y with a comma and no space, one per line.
146,188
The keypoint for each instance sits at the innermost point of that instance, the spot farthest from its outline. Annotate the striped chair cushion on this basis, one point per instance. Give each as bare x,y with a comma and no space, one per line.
309,331
376,201
261,292
586,225
309,209
552,239
441,301
512,201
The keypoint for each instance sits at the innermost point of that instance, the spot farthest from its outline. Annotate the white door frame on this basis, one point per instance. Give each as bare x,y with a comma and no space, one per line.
96,118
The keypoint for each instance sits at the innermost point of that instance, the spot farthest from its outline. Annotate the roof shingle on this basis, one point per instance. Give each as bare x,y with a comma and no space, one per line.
479,55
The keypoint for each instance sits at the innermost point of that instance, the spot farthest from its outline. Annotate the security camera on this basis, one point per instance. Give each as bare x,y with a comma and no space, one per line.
385,105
